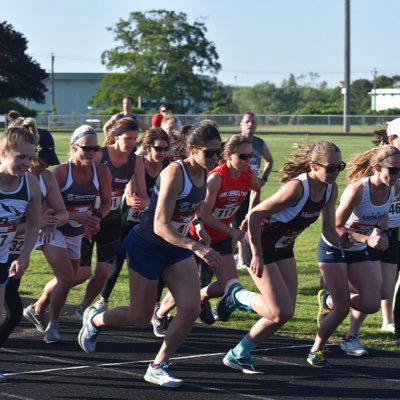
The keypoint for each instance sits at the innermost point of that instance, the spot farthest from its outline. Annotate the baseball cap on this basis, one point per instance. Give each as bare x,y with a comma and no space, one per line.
82,131
393,128
45,148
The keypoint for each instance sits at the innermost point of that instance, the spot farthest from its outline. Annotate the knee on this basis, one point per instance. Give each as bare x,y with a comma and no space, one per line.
66,279
189,313
370,305
283,315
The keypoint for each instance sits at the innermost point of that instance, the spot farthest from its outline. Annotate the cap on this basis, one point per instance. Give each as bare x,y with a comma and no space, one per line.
393,128
45,148
82,131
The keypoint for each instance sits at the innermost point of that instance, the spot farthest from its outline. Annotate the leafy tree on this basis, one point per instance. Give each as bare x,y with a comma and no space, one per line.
360,99
20,76
162,55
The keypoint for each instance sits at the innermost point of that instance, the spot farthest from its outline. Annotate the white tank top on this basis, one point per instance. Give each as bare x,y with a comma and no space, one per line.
366,216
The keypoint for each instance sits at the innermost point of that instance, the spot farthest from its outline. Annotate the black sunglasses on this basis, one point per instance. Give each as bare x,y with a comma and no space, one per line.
244,156
159,149
87,149
208,153
330,169
392,170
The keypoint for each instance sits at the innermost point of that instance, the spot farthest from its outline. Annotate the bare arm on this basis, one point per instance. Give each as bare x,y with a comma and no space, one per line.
109,124
268,162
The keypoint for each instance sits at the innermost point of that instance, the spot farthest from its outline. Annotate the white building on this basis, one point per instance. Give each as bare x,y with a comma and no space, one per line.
383,99
72,92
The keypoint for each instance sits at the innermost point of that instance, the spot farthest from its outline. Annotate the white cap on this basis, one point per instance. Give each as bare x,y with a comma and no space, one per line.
393,128
82,131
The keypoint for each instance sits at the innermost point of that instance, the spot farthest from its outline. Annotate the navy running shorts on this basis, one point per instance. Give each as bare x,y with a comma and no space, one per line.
149,259
329,255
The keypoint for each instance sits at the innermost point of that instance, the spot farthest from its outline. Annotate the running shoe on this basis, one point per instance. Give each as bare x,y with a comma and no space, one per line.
227,303
246,364
88,333
206,315
317,359
37,319
387,328
101,305
51,334
79,312
162,376
160,324
2,378
353,347
323,310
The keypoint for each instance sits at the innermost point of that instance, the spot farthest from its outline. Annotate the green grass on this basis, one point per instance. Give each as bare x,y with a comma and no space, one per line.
303,324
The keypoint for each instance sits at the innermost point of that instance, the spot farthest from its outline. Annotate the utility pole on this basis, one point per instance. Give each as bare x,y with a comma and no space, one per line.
53,103
346,105
375,73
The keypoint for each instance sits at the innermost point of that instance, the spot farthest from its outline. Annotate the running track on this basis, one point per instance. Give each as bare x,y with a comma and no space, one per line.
36,370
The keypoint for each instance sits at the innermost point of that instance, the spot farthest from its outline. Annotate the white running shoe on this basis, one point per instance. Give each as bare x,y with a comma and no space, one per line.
51,334
162,376
387,328
353,347
37,319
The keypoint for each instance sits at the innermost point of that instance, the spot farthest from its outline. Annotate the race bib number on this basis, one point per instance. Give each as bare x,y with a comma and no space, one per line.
285,241
182,227
134,215
395,208
225,213
16,246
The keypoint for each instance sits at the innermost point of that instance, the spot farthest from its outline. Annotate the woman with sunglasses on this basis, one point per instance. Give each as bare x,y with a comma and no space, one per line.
227,187
353,275
308,189
159,247
19,199
118,155
81,180
156,144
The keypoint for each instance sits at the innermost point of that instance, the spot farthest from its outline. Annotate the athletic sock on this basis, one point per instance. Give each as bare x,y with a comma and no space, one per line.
244,297
244,347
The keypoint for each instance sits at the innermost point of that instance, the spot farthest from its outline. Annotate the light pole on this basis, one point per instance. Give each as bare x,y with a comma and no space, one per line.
346,105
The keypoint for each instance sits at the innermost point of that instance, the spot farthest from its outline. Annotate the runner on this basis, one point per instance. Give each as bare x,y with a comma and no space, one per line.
119,156
19,197
156,144
158,247
364,205
80,180
308,189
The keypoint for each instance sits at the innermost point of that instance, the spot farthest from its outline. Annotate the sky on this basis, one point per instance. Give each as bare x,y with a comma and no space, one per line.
256,40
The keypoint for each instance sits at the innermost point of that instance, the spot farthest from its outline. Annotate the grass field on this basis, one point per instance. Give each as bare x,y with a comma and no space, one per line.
303,324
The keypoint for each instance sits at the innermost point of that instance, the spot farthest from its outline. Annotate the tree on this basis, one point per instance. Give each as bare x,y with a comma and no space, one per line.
20,76
163,55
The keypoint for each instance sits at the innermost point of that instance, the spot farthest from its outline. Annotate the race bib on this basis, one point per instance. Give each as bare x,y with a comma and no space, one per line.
134,215
16,246
287,240
225,213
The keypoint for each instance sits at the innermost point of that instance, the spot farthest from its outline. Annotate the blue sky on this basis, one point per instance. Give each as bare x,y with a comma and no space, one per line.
257,40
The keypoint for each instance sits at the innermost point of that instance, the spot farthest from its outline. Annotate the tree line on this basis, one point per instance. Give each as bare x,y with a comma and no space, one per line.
163,55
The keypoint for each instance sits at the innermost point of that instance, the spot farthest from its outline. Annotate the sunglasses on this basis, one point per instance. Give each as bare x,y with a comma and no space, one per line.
244,156
392,170
208,153
163,110
330,169
87,149
159,149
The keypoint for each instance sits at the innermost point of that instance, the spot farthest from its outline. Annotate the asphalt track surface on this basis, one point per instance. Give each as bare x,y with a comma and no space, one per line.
36,370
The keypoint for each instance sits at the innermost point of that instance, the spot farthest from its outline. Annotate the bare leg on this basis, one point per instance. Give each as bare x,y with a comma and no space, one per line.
96,283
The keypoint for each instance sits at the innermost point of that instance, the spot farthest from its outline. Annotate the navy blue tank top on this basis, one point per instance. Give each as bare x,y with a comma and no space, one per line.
188,200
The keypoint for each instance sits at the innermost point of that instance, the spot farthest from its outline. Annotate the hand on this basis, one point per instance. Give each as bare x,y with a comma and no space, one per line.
204,237
49,219
18,267
379,242
237,234
209,255
138,203
46,235
257,266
